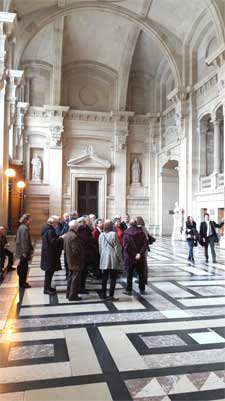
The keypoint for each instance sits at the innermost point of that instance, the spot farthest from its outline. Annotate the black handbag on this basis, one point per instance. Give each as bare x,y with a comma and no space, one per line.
151,239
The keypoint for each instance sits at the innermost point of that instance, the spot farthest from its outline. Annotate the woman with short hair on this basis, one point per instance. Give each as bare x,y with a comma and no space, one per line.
111,261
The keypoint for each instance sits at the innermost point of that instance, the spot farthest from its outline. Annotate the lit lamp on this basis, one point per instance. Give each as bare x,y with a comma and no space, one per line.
21,185
10,173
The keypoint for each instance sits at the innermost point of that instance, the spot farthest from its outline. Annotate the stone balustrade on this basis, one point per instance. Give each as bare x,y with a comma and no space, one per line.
212,182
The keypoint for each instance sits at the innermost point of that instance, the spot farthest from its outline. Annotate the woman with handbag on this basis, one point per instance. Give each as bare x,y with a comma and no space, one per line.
191,236
111,261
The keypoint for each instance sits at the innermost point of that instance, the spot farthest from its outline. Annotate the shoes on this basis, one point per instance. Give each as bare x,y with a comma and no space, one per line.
75,299
142,292
83,291
25,285
11,269
127,292
49,292
206,261
214,261
189,258
113,299
103,296
193,261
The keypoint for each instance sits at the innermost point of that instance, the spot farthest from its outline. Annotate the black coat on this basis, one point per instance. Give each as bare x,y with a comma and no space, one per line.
203,230
91,253
51,249
191,231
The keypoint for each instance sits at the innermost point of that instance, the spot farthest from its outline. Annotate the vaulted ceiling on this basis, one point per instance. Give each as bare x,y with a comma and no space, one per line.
153,37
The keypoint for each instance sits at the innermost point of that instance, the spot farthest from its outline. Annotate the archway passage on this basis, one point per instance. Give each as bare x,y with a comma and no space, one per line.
170,194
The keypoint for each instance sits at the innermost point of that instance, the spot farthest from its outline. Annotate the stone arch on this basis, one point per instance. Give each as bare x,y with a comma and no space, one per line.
142,24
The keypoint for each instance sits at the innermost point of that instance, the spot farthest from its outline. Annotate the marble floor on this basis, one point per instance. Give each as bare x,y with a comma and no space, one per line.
166,345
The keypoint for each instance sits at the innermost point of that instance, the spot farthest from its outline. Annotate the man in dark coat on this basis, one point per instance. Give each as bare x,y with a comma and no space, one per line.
91,255
51,250
134,247
74,249
208,236
24,249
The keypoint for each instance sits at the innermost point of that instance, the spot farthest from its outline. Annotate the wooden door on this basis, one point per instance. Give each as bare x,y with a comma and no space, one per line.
88,197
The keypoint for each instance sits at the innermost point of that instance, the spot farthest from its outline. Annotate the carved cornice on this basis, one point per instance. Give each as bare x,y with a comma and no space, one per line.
55,111
122,116
93,116
217,58
201,88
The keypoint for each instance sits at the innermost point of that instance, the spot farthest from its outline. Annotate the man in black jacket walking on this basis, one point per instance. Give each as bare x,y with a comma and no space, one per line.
208,236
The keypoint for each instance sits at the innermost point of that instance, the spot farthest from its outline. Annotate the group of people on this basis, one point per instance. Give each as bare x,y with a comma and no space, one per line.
207,236
103,248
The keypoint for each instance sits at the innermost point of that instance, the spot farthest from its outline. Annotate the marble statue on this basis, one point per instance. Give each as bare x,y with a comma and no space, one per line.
177,223
136,171
36,169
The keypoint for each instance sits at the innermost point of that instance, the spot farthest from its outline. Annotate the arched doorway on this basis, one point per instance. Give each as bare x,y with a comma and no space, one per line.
169,195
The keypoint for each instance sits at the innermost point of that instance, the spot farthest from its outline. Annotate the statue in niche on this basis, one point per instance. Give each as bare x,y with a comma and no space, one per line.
36,168
136,171
178,217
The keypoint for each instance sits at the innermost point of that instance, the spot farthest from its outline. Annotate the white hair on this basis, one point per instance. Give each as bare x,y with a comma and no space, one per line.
53,219
66,214
73,223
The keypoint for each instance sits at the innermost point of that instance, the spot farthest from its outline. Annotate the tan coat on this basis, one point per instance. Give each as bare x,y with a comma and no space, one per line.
74,250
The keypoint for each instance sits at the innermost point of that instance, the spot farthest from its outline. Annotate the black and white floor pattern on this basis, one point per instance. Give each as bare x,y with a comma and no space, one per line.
168,345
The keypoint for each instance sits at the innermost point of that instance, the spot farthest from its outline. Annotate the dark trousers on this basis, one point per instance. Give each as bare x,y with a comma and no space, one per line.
190,246
48,280
130,272
210,241
66,264
145,270
73,284
84,274
22,270
113,275
9,254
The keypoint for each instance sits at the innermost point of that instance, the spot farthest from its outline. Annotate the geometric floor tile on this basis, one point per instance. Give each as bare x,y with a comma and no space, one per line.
165,340
207,337
184,385
213,382
153,388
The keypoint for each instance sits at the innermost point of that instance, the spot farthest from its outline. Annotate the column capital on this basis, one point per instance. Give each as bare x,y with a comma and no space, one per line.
56,135
179,94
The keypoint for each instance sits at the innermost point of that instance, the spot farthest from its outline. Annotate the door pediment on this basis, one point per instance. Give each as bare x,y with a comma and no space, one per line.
89,159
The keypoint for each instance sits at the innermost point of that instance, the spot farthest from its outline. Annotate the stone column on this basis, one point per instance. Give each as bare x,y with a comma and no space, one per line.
57,62
13,80
55,157
179,97
6,26
153,149
18,130
121,122
216,156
